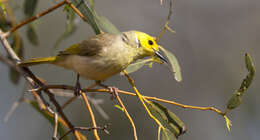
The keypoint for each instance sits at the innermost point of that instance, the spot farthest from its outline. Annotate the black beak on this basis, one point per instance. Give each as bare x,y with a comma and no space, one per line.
159,55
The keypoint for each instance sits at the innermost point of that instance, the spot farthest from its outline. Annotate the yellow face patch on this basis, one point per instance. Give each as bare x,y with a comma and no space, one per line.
147,42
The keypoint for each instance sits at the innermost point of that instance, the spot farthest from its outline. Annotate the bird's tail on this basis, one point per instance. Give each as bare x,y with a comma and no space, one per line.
36,61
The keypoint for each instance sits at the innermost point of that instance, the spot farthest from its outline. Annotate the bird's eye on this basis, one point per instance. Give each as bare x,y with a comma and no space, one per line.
150,42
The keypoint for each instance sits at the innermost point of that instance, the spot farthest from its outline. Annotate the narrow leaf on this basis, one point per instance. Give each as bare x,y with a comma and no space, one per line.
32,35
137,65
106,25
70,26
17,45
119,107
85,9
236,98
168,119
175,67
228,123
167,135
29,7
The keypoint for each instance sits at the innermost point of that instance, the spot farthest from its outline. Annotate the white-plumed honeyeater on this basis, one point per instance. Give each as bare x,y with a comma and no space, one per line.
103,55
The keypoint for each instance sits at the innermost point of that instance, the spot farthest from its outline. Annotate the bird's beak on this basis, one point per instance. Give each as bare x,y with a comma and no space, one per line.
159,55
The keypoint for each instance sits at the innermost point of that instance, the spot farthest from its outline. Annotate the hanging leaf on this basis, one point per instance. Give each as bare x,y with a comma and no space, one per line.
236,98
29,7
228,123
32,35
119,107
105,25
87,12
250,76
4,23
97,22
172,124
17,45
175,67
70,26
137,65
2,8
167,135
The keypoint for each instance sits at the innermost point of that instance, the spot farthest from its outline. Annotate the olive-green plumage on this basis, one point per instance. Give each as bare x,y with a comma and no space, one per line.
103,55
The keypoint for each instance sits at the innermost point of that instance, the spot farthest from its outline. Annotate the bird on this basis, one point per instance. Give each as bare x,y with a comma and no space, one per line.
104,55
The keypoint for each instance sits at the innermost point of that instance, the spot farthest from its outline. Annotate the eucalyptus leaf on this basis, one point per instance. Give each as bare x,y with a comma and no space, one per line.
236,98
17,45
119,107
88,13
135,66
14,75
29,7
168,119
175,67
167,135
4,23
32,35
106,25
70,26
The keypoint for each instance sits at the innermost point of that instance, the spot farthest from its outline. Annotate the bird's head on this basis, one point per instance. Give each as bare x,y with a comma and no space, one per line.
145,44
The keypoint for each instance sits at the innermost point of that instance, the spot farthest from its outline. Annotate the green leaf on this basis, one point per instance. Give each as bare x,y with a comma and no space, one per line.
35,106
32,35
70,26
167,135
119,107
236,98
97,22
171,123
17,45
4,23
137,65
175,67
106,25
3,9
228,123
250,76
87,12
29,7
14,76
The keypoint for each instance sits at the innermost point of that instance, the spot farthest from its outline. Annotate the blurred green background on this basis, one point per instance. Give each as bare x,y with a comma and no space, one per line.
210,41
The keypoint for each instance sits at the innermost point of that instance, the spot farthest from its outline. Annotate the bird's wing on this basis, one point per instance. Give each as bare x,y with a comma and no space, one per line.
90,47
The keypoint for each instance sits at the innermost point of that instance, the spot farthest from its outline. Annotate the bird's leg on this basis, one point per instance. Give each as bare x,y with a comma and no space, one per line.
77,87
112,90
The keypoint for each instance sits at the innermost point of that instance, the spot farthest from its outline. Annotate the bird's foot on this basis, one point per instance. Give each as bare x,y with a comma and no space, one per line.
77,89
113,91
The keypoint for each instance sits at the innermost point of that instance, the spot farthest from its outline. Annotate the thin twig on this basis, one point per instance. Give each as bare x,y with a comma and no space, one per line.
74,97
67,87
55,128
85,99
142,99
86,129
127,114
166,24
33,80
15,105
76,10
35,17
